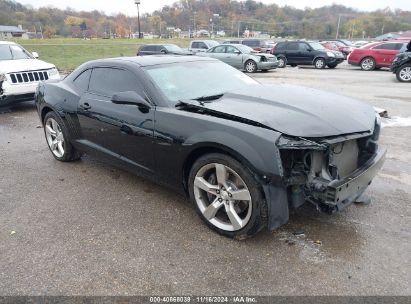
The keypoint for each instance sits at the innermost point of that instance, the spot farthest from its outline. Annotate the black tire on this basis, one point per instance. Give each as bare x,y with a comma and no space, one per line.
258,217
332,66
282,62
368,64
402,69
250,66
293,65
319,63
70,154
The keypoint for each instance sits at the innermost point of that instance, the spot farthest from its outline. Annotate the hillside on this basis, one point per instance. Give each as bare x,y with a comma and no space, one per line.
233,17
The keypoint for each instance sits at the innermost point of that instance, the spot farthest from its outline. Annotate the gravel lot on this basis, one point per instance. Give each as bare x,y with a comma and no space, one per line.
87,228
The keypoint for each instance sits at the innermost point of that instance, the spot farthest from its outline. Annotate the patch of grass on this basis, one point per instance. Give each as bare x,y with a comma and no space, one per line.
67,53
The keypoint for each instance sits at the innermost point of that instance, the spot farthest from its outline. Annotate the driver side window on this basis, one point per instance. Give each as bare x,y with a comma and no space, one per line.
219,49
231,49
109,81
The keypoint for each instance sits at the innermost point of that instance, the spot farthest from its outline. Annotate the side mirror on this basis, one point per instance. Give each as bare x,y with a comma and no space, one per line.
237,52
131,98
309,49
35,55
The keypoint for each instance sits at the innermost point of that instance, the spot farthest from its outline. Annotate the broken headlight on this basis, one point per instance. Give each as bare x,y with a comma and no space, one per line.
53,72
2,79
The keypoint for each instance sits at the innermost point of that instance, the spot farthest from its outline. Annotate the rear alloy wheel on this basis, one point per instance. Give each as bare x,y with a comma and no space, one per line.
282,62
58,139
404,73
368,64
226,196
319,63
250,66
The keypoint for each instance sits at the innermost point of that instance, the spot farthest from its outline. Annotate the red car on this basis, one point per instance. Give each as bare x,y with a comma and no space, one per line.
376,55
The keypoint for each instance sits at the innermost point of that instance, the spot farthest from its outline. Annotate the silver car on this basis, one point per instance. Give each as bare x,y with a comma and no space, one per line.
242,57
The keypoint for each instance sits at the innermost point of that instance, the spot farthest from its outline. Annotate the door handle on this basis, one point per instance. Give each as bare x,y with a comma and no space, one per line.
85,106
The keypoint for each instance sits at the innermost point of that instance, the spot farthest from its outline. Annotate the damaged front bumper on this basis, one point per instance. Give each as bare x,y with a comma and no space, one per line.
339,194
331,173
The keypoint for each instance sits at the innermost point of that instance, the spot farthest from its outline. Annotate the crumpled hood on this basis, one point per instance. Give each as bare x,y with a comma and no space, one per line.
23,65
297,111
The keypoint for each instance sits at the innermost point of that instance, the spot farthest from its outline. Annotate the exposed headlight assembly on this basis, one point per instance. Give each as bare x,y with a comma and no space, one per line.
2,79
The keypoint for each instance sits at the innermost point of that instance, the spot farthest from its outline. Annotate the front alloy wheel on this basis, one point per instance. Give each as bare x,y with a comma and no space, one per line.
319,63
404,73
250,66
368,64
222,197
226,196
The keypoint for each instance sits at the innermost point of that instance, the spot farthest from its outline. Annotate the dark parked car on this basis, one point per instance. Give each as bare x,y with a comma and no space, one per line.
259,45
306,53
161,49
243,152
402,66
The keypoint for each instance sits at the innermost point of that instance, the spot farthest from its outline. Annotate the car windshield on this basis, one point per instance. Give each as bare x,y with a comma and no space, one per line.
13,52
316,46
269,43
172,48
192,80
212,43
346,42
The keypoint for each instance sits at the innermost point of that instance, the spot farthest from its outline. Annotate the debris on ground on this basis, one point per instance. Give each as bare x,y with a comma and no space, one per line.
299,233
396,121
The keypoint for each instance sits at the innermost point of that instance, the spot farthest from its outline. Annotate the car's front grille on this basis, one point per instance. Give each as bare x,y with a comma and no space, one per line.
26,77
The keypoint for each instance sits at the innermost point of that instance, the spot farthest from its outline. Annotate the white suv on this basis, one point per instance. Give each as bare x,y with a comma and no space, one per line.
20,73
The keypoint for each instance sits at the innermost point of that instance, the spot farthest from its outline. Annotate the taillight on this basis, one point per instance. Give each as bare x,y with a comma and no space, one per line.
258,50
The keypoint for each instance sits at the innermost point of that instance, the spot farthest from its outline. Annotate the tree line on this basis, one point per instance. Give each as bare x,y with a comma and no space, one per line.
232,17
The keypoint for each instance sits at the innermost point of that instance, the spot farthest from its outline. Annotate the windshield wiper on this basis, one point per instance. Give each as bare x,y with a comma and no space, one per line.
209,98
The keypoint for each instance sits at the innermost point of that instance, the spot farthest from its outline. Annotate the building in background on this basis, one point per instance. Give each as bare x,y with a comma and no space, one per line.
8,32
395,35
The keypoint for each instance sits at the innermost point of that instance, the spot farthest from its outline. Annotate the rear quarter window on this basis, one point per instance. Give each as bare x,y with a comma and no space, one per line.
82,81
147,48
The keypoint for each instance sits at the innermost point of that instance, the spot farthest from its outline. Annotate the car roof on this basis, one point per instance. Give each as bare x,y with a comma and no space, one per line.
376,43
232,44
160,44
151,60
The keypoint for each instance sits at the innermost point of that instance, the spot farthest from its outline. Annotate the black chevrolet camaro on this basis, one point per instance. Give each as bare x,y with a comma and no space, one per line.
244,153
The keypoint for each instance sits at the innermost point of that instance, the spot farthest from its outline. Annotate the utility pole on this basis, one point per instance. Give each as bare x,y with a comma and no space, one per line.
338,26
238,32
195,24
137,2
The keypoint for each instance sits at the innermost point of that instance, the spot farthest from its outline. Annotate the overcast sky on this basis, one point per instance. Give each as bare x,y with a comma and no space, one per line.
147,6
